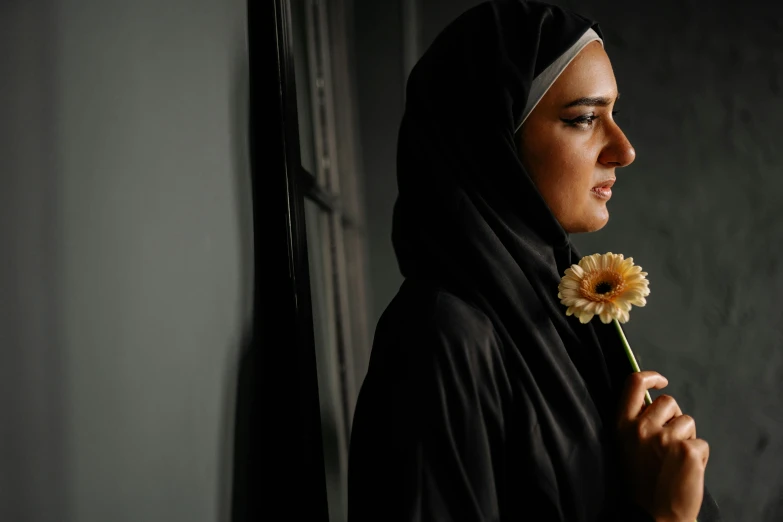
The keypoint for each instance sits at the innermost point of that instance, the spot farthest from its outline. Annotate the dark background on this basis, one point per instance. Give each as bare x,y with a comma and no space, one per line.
699,209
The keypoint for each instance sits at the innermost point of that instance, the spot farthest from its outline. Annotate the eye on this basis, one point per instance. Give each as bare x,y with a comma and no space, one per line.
582,122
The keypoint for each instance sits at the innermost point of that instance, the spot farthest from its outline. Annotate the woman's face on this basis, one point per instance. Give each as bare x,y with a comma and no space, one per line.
571,145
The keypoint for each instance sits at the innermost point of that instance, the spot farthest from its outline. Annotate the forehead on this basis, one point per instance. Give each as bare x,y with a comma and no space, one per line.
589,74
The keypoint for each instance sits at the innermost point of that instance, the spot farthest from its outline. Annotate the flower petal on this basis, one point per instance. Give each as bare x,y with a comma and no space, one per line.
570,292
586,264
577,288
582,302
569,283
606,317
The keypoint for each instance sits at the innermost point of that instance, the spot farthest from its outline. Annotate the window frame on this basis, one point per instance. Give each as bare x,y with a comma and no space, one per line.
278,450
278,444
335,189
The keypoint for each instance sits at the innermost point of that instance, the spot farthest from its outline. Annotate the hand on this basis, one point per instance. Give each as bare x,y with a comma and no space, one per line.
664,461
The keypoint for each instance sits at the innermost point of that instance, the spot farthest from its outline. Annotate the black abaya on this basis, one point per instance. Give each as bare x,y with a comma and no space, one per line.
483,400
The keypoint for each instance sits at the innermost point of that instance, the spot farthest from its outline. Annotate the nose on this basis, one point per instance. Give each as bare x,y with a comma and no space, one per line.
618,151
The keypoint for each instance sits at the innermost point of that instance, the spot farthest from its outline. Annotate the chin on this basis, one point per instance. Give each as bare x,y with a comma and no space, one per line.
598,226
588,225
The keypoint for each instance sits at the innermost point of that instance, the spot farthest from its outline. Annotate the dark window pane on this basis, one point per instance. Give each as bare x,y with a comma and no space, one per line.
303,84
319,247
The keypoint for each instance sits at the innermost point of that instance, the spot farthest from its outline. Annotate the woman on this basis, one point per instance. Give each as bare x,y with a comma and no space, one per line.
483,400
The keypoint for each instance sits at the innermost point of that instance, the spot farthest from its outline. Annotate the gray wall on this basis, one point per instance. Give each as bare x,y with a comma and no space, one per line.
379,83
125,250
698,210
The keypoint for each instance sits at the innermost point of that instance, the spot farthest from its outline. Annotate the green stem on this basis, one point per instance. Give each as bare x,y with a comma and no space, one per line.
631,358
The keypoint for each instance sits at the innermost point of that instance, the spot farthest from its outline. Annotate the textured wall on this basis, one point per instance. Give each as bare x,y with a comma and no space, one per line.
126,238
701,102
379,82
700,211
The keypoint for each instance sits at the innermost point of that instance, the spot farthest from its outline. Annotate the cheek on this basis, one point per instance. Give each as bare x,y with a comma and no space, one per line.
568,178
562,164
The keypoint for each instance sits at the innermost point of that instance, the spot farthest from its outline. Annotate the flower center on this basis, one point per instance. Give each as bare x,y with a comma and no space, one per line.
603,287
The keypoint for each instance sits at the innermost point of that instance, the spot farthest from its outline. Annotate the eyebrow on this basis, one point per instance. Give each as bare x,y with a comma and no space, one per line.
597,101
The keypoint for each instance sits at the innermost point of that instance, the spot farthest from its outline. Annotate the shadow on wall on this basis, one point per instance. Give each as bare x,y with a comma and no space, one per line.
379,80
232,445
34,468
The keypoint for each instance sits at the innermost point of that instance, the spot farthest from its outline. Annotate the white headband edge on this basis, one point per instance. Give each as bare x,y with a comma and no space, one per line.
542,83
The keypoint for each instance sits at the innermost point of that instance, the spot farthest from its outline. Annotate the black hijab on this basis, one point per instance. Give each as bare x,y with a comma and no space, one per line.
470,223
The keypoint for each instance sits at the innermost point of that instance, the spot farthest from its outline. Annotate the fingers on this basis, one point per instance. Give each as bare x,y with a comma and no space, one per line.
636,385
662,410
696,451
681,428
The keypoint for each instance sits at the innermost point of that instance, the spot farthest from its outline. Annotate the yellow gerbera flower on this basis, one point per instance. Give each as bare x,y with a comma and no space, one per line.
604,285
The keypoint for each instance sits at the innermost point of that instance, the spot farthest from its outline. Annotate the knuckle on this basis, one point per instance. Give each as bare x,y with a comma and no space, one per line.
668,402
642,429
635,379
690,451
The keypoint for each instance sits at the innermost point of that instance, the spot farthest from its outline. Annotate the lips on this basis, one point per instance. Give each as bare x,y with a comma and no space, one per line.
604,189
606,183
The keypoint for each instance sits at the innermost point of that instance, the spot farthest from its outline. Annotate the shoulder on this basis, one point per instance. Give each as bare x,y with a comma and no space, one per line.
444,330
433,348
454,319
427,329
433,313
